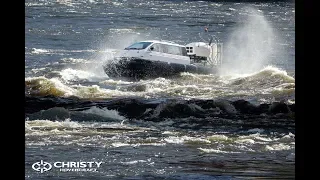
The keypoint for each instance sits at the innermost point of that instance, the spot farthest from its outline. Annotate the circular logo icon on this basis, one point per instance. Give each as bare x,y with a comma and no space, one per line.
41,166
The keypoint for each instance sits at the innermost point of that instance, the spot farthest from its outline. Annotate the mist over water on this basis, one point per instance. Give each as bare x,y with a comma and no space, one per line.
250,46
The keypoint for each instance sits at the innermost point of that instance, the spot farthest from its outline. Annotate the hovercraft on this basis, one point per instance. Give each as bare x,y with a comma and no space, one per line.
158,58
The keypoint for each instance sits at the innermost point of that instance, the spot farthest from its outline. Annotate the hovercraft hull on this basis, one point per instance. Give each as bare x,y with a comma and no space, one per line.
140,69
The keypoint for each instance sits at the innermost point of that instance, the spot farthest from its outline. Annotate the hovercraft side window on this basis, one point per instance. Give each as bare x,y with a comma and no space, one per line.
169,49
174,50
139,45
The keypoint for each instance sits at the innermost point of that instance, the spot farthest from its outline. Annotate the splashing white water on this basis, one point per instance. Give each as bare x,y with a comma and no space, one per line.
250,46
108,47
104,112
76,75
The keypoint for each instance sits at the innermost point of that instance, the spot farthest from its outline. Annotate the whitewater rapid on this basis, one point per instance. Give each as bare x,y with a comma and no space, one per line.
265,85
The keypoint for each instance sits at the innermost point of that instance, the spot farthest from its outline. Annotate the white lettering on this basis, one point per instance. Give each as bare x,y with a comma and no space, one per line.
83,164
56,164
65,164
98,164
73,164
90,164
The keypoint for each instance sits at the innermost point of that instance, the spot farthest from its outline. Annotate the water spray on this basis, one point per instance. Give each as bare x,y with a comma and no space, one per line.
250,46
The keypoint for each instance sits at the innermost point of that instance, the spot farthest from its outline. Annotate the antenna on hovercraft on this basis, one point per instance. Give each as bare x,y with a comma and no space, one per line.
206,29
210,41
211,38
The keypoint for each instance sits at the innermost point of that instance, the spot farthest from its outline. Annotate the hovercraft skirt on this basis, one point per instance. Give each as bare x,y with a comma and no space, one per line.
140,68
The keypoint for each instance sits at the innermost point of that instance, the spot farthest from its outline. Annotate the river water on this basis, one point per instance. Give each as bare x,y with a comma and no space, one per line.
238,124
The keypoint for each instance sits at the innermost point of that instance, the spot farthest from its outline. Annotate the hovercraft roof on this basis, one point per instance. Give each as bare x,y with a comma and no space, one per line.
163,42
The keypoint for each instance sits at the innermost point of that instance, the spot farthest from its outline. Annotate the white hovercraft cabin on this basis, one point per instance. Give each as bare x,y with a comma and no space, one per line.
154,58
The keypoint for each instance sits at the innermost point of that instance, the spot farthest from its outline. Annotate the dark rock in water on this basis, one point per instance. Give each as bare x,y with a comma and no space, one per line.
226,106
246,107
203,111
55,113
279,107
131,108
178,110
292,107
263,108
204,104
34,104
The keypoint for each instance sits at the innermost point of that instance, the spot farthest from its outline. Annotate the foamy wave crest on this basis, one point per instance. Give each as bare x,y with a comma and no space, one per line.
245,141
186,140
121,30
267,76
78,75
45,127
48,123
67,126
206,150
30,4
278,147
39,51
41,86
114,82
37,70
59,51
190,78
133,162
269,81
104,112
157,85
218,138
95,91
119,144
264,85
285,89
153,86
44,132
